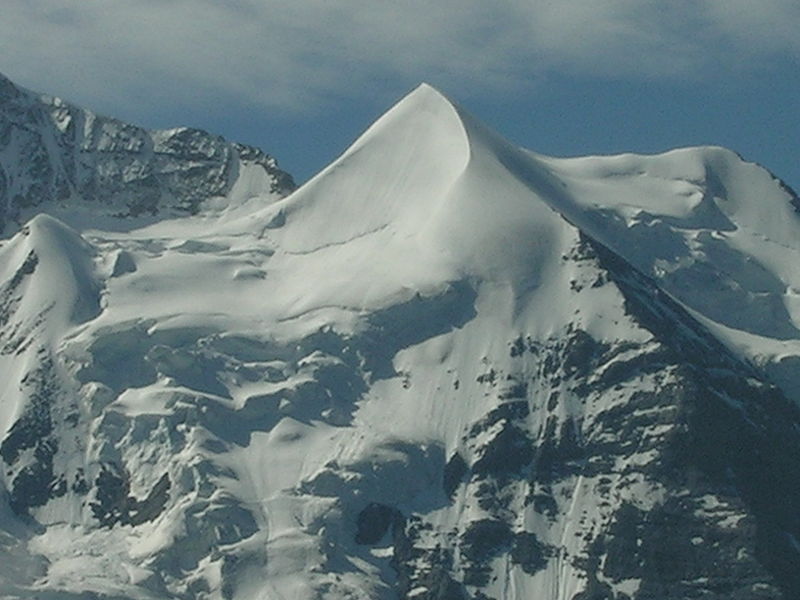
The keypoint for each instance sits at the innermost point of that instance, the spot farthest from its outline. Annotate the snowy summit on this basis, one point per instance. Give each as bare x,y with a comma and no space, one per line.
444,368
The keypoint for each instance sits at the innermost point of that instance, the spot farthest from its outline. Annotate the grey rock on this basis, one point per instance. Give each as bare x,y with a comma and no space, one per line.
59,155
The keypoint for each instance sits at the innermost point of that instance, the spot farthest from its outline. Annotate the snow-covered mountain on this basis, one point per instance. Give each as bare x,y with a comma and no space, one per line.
58,158
444,368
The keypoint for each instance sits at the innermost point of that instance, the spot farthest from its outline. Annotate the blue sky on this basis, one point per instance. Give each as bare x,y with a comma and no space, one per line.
303,78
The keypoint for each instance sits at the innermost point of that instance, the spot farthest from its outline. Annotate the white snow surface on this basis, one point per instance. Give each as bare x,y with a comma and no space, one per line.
231,349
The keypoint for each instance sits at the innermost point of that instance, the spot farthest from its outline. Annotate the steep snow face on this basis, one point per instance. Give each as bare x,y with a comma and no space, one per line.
718,233
420,182
446,367
85,168
394,175
49,287
50,266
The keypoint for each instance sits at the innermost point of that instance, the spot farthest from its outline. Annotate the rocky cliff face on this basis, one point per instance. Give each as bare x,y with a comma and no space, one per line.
446,368
53,154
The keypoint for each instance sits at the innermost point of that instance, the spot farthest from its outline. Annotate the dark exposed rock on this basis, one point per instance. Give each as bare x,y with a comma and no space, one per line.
80,485
552,401
8,298
517,347
151,507
35,482
484,538
581,354
517,389
515,410
493,494
711,428
281,180
35,485
112,498
558,454
480,542
678,554
375,521
488,377
641,364
425,570
544,504
658,313
454,472
31,430
794,199
114,504
594,588
477,575
715,444
72,155
507,452
439,585
529,553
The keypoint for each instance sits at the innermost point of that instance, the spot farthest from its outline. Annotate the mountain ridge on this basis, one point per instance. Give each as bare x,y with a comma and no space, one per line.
78,161
444,368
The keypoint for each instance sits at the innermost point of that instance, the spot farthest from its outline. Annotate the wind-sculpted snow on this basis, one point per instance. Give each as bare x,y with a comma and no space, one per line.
445,368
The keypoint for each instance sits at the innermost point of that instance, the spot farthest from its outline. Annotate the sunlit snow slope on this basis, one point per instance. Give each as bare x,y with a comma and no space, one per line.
444,368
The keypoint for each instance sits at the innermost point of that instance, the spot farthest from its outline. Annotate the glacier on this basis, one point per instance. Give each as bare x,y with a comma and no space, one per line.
444,368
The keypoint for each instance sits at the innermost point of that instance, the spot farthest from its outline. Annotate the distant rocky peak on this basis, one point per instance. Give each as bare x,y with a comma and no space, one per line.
7,88
57,157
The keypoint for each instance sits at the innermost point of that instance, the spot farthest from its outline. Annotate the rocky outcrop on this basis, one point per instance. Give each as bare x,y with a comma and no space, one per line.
53,154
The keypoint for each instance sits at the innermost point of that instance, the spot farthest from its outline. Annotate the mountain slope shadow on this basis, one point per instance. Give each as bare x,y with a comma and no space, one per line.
409,323
739,436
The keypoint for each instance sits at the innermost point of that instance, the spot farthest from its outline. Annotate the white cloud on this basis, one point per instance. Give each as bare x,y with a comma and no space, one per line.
299,54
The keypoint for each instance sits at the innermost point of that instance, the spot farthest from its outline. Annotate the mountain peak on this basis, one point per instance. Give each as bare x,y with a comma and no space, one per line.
421,109
395,171
428,92
446,367
7,88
